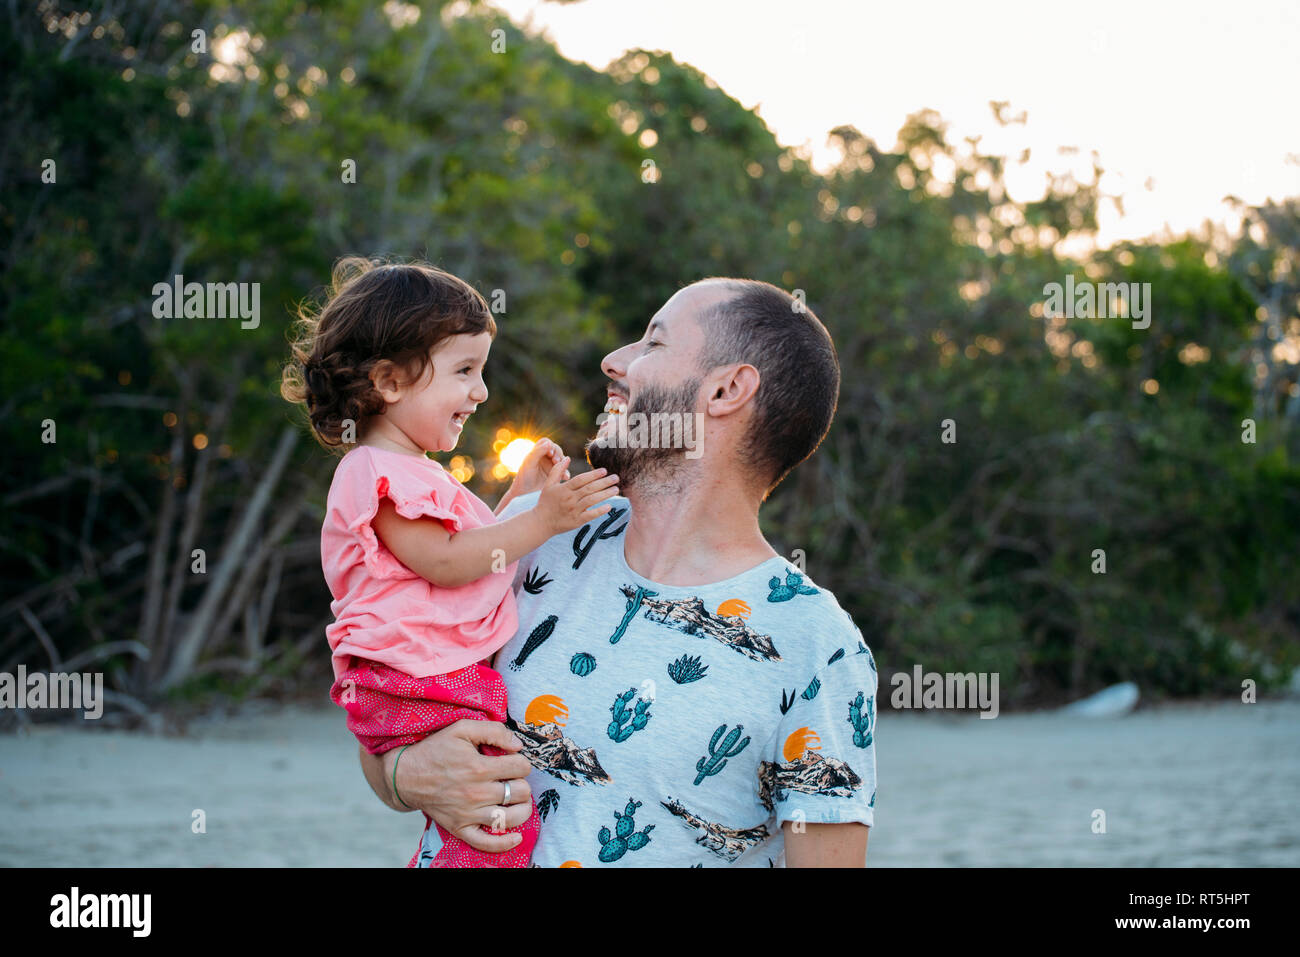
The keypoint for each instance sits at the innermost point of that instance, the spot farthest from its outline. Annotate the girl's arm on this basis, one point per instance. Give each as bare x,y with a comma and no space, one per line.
505,500
452,559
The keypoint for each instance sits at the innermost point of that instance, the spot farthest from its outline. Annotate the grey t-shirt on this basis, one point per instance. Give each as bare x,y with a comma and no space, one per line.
678,726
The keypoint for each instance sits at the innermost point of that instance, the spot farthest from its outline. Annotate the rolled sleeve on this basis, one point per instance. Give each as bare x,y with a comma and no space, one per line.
823,757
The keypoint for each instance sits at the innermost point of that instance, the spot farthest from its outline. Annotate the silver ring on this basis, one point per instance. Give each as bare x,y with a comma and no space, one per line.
506,799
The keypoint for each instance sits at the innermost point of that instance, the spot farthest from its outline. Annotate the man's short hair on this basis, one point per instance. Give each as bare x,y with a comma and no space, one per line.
798,369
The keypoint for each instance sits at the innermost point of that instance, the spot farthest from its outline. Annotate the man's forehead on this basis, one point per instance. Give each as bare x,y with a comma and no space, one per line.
690,302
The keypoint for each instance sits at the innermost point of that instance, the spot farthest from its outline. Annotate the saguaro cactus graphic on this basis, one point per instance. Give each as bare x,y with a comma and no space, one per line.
633,603
716,759
580,550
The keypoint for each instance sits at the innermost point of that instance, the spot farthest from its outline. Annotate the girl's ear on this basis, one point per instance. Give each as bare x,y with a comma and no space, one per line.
385,377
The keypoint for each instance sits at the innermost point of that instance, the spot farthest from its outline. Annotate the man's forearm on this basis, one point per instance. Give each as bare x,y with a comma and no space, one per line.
825,845
378,769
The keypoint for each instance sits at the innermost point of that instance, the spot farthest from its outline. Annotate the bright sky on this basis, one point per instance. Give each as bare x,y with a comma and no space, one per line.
1185,101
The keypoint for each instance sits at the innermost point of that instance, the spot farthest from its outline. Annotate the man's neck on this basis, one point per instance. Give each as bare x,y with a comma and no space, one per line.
694,533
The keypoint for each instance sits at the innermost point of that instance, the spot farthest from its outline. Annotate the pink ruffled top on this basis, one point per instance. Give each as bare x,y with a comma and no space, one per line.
385,612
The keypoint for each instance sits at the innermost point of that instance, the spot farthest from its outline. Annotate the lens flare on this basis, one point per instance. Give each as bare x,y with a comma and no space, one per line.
513,455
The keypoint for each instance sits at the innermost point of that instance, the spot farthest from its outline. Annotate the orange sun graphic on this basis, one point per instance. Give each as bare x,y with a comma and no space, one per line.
803,739
546,709
570,864
734,607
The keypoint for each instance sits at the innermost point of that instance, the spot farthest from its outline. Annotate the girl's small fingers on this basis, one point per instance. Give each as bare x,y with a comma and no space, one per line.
586,478
599,495
556,471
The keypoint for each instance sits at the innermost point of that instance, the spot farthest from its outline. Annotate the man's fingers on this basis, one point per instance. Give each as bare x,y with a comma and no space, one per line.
487,732
498,817
482,840
520,794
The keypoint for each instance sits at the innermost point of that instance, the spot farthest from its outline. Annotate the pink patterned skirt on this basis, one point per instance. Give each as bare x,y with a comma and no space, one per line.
387,709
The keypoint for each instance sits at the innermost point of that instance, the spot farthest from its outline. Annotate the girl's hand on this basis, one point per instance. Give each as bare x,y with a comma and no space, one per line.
536,467
563,505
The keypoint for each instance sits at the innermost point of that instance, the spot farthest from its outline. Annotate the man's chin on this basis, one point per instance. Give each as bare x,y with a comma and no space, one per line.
603,456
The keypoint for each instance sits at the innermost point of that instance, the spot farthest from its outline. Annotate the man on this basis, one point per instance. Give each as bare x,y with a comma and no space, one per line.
681,695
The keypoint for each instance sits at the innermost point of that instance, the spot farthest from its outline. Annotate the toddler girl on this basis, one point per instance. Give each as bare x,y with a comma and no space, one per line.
419,568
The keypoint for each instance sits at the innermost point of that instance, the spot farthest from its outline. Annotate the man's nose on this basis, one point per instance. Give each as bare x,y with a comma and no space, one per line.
613,365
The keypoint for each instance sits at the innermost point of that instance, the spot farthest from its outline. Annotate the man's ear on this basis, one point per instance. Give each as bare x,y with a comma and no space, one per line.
387,380
731,388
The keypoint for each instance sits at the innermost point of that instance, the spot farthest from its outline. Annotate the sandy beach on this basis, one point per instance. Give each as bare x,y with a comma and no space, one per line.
1204,785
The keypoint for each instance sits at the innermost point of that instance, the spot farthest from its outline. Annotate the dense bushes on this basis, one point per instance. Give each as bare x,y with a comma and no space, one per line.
527,174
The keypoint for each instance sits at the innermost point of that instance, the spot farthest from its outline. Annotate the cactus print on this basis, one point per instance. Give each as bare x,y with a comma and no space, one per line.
722,706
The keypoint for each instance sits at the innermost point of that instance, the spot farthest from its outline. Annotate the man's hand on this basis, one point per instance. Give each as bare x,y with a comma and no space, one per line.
446,777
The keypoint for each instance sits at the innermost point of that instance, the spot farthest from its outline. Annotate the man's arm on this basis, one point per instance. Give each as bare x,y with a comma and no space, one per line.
445,776
378,769
826,845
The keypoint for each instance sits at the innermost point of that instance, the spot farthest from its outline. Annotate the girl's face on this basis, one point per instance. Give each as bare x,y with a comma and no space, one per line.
431,412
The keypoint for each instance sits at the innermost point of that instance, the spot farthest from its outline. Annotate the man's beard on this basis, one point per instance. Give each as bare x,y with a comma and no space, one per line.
648,466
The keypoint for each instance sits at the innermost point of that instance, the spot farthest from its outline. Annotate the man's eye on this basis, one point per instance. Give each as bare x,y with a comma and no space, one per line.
653,343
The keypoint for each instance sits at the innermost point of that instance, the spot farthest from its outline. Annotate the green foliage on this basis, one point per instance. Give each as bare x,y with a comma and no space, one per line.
526,173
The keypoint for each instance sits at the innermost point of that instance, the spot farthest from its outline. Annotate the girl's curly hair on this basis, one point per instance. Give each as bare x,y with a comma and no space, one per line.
375,311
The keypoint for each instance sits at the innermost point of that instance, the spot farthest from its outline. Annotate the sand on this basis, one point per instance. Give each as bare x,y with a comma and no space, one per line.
1181,786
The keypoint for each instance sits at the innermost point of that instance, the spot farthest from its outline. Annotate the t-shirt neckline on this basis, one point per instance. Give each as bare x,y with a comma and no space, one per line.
724,583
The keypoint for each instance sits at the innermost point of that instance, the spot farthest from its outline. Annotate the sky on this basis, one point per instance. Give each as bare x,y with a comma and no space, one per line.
1185,102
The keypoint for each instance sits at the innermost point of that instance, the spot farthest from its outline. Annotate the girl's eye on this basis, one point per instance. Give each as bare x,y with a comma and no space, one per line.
466,369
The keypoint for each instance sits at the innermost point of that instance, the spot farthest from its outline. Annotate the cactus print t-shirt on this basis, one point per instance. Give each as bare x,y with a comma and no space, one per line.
679,726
